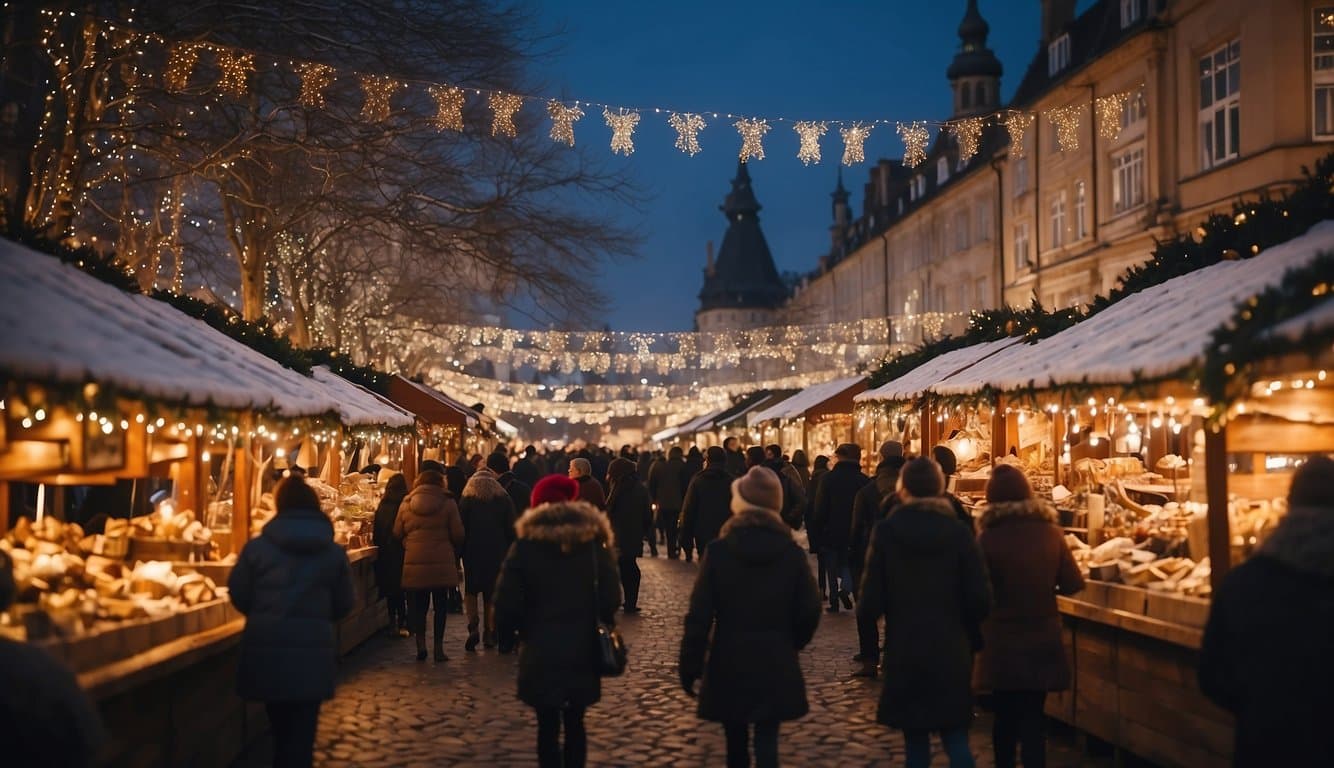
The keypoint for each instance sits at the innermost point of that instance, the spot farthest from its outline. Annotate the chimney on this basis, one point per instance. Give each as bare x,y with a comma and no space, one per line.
708,259
1056,16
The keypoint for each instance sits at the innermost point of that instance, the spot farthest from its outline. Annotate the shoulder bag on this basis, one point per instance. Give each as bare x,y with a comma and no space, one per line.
612,655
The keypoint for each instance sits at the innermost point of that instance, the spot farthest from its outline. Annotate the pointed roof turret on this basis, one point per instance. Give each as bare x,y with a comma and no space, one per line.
741,200
744,275
974,58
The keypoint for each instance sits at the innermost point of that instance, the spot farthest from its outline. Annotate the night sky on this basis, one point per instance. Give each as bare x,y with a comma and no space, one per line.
780,58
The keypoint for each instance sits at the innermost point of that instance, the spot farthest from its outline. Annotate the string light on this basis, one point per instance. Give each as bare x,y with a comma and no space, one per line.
314,79
378,91
810,133
234,69
967,134
503,106
622,125
1109,110
854,139
687,125
180,64
448,107
1017,123
1066,121
752,132
915,138
563,119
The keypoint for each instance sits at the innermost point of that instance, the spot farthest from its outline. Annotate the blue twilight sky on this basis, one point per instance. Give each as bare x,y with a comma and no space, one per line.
830,60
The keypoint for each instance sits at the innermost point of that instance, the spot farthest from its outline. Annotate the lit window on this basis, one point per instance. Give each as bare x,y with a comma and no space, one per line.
1128,180
1322,71
1020,176
1058,55
1058,223
1130,12
1220,104
1022,258
1081,209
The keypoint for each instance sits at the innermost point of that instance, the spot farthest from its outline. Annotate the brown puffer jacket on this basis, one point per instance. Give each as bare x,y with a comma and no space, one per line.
431,530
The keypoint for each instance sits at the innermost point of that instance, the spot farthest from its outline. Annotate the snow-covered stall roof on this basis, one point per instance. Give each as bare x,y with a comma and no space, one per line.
767,399
915,382
358,406
1316,319
1154,333
63,326
804,400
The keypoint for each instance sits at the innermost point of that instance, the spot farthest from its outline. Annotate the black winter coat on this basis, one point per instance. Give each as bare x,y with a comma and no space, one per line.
292,583
1266,653
389,558
488,530
868,508
526,470
707,507
667,484
545,598
753,607
833,504
46,720
520,492
631,513
924,574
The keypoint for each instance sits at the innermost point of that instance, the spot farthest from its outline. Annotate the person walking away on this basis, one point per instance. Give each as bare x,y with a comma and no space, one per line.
803,467
526,469
488,530
736,460
694,462
1266,649
519,491
667,485
590,490
868,509
631,515
389,559
708,503
833,520
924,575
949,466
293,583
794,490
754,606
643,463
545,602
431,530
813,536
1022,655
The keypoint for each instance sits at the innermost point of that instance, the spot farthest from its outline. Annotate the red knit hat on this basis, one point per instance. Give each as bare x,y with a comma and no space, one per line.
554,488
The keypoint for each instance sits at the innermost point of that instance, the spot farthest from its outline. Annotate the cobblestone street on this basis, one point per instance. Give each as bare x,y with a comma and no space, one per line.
393,711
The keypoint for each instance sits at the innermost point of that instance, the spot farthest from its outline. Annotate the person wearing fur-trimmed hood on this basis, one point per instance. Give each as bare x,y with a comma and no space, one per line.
488,528
1266,651
754,606
546,601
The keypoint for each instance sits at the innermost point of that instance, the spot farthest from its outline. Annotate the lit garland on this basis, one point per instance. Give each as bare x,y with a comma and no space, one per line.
1017,123
563,119
1067,120
622,125
915,138
378,91
752,132
967,133
448,107
503,106
234,69
1109,114
687,126
181,63
810,133
854,140
314,79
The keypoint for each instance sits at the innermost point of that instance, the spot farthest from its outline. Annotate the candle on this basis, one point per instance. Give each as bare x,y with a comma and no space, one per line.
41,501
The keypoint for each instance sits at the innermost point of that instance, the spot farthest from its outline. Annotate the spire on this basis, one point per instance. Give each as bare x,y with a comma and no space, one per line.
743,274
741,200
840,196
973,30
975,72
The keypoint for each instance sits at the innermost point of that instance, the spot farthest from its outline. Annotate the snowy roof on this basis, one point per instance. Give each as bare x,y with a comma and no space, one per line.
804,400
429,403
765,399
63,326
689,427
358,406
1154,333
1317,318
919,380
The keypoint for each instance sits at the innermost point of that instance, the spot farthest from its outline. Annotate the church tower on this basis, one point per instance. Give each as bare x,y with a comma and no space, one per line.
975,72
742,288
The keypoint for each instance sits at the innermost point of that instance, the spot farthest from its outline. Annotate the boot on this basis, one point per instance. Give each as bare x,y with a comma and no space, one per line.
867,669
421,647
439,651
489,639
473,637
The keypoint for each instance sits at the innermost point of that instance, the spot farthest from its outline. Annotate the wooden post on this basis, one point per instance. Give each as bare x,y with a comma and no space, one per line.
805,435
1057,439
1220,532
927,432
410,458
243,481
336,458
4,507
189,472
999,432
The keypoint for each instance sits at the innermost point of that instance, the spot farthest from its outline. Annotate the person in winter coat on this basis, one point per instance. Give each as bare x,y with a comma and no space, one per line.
431,530
833,521
1266,652
1022,655
667,485
754,606
868,509
794,490
46,719
924,575
949,465
389,559
694,462
488,529
293,583
708,503
803,467
590,490
818,472
518,490
526,468
631,515
736,460
557,581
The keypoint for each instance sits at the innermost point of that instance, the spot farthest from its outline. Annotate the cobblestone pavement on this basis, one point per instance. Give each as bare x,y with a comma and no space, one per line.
391,710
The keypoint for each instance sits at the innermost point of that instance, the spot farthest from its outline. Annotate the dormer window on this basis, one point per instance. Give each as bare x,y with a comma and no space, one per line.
1130,12
1058,55
942,170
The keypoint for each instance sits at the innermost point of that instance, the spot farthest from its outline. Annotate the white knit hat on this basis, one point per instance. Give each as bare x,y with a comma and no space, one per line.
759,487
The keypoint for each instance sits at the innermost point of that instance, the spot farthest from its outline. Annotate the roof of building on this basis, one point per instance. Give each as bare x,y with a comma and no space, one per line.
1092,34
974,58
744,277
358,406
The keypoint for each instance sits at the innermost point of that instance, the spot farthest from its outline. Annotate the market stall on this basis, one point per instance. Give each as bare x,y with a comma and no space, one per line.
816,419
445,426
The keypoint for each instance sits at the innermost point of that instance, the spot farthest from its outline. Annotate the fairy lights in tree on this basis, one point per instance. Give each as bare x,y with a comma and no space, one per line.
915,137
810,133
687,125
448,107
503,107
314,79
378,91
752,132
563,119
622,125
234,69
181,63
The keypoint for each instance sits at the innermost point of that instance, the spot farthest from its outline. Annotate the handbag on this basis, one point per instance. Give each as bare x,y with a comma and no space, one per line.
612,655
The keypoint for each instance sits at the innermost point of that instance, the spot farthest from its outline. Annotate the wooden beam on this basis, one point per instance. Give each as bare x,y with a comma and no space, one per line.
336,458
4,507
999,432
243,480
188,475
1057,440
1220,533
410,459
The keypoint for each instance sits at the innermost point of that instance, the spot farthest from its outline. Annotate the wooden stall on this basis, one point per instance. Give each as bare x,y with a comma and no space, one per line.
816,419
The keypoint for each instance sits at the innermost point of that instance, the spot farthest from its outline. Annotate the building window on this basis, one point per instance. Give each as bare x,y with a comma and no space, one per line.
1057,210
920,183
983,219
1022,259
981,94
1133,110
1020,176
1220,104
966,96
1058,55
900,206
983,297
961,231
1128,180
942,170
1130,12
1322,71
1081,210
940,299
